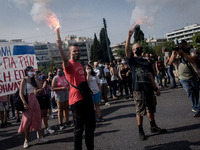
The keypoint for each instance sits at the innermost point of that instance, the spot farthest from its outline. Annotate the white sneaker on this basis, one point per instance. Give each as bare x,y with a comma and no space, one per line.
25,144
55,110
48,131
62,127
37,135
43,140
107,103
193,110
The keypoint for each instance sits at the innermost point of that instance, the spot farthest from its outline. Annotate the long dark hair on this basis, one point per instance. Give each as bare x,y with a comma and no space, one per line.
33,82
92,70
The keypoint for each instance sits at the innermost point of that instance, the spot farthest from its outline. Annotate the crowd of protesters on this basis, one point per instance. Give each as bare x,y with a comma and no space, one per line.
133,77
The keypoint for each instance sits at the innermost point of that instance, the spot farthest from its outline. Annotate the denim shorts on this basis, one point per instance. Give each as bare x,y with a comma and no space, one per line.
96,98
62,96
145,102
4,106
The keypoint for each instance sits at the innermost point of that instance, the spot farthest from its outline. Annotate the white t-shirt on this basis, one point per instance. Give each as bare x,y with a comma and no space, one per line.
93,84
102,80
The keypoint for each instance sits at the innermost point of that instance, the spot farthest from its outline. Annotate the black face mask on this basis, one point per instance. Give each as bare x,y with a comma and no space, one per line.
139,51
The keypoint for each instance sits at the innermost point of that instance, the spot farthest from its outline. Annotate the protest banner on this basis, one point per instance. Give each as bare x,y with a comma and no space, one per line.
14,58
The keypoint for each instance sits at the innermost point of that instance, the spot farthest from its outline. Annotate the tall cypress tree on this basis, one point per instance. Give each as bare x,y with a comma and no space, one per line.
95,49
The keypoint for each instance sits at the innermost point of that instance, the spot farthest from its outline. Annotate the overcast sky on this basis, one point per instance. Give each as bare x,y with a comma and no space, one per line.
85,17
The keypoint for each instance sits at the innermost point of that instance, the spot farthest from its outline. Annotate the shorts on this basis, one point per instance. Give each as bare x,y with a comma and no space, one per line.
104,88
96,97
4,106
61,96
145,102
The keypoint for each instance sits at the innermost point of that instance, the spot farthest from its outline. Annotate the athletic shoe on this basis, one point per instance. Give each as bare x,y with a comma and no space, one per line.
62,127
25,144
54,110
70,124
157,130
100,119
48,131
107,103
142,136
196,115
193,110
43,140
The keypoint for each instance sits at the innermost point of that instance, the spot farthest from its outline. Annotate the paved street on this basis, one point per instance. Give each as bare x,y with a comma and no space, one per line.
120,131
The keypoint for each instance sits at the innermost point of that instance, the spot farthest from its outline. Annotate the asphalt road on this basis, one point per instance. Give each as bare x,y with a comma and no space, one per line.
120,131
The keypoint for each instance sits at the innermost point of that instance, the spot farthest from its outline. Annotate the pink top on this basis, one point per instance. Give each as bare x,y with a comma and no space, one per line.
75,74
61,81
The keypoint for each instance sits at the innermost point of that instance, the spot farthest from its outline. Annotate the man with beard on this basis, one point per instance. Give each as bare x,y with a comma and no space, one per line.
144,87
82,108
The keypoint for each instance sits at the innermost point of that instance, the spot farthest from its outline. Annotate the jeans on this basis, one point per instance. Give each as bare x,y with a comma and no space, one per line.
156,79
84,118
171,74
191,87
114,87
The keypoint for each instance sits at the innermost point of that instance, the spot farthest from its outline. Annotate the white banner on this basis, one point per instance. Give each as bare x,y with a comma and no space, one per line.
14,58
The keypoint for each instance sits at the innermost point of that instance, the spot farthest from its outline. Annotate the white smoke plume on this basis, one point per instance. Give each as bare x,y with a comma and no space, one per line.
146,11
40,11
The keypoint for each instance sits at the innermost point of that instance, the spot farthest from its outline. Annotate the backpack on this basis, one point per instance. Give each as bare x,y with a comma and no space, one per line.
18,102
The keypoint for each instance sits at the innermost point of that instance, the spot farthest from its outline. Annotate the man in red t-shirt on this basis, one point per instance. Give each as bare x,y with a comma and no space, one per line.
82,109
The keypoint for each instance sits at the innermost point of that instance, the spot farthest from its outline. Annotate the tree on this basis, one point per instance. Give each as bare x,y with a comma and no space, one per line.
95,49
138,35
121,53
196,40
104,53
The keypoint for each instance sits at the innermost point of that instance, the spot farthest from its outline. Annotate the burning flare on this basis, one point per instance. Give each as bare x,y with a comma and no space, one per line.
52,20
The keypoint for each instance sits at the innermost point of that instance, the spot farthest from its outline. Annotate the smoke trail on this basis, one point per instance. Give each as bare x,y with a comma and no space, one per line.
40,11
146,11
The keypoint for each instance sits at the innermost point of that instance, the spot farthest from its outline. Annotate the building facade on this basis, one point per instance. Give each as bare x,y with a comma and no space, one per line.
185,33
117,47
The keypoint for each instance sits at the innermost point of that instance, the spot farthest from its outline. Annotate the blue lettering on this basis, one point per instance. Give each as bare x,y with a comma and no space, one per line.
5,51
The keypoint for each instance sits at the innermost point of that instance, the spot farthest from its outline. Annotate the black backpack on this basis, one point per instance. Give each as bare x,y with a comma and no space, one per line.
18,102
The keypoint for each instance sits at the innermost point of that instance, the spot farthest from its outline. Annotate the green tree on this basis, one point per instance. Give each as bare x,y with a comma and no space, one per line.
121,53
196,40
104,53
95,49
138,35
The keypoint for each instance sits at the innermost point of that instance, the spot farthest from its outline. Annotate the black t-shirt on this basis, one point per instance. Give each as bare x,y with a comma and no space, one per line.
141,69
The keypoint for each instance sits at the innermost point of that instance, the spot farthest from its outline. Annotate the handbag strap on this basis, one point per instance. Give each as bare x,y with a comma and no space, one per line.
26,87
188,65
72,85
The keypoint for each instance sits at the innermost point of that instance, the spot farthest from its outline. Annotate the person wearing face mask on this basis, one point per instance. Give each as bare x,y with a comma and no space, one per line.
44,101
94,84
60,86
125,76
104,76
144,86
82,107
160,68
31,117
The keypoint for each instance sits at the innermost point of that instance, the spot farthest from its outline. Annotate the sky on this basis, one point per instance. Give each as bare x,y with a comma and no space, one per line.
23,19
